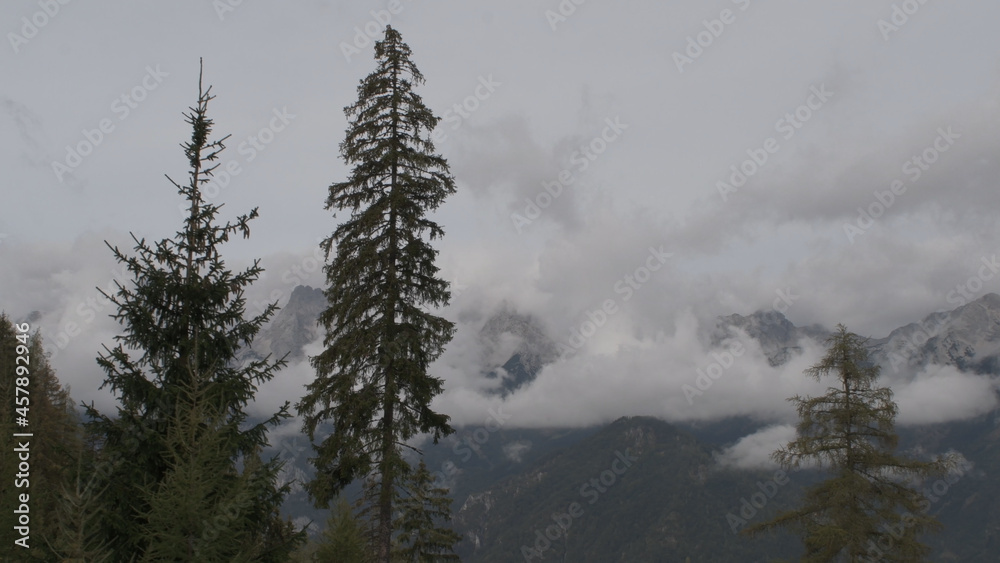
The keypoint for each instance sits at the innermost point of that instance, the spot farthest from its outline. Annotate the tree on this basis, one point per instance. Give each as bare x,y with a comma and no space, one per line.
176,372
421,538
342,540
371,378
78,538
31,393
867,510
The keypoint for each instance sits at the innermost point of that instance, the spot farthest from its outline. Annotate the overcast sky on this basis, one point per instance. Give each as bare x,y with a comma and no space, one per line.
840,156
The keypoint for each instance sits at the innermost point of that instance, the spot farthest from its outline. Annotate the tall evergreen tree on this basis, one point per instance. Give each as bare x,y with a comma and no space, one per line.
372,381
868,509
423,512
184,324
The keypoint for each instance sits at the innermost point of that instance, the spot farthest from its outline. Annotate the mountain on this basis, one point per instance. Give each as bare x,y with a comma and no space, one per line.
293,327
637,490
515,348
967,337
507,484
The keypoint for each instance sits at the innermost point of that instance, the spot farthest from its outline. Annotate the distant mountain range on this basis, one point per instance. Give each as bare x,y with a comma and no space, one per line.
674,502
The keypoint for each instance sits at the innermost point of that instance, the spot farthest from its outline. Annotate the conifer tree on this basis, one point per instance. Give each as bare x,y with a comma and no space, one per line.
78,537
422,513
45,407
869,509
372,381
343,540
183,321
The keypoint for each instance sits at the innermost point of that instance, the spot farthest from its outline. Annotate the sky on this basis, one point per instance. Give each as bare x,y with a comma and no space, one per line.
657,163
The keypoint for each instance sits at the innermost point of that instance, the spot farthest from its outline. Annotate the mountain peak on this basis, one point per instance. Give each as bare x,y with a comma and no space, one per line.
515,348
294,326
778,337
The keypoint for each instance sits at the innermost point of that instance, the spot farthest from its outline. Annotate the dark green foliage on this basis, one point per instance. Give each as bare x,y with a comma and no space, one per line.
422,512
372,381
55,444
78,537
868,508
343,539
176,374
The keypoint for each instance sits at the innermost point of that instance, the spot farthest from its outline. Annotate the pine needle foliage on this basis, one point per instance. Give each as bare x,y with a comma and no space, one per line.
371,380
183,320
869,509
421,522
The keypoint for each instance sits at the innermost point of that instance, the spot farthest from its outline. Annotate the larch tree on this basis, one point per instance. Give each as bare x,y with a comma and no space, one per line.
182,391
870,509
372,383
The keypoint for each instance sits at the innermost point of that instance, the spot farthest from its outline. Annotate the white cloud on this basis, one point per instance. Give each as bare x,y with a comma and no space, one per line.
754,451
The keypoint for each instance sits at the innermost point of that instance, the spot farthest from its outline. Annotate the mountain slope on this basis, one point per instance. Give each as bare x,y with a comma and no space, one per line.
638,490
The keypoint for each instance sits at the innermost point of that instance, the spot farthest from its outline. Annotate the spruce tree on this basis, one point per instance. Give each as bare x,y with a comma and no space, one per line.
78,538
183,319
869,509
342,540
371,379
423,511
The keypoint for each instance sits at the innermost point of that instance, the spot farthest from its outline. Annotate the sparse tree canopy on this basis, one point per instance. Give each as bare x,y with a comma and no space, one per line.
372,382
867,510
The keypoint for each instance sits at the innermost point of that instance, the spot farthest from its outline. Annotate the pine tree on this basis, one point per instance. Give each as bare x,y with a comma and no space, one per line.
421,538
342,540
183,321
868,510
372,381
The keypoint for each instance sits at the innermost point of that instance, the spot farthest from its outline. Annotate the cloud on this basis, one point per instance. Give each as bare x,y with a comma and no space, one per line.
944,394
754,451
